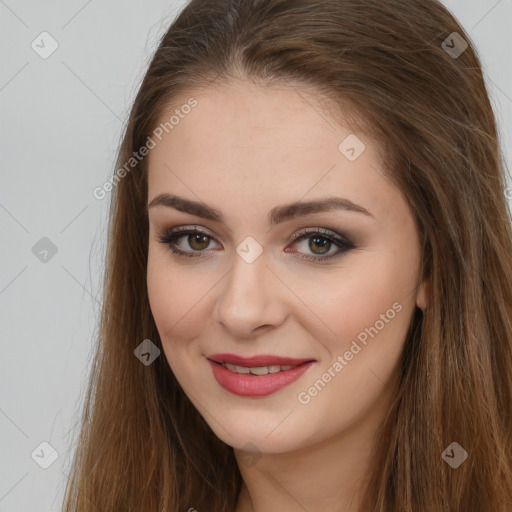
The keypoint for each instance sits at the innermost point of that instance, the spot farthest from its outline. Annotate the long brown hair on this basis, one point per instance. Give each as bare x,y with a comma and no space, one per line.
143,446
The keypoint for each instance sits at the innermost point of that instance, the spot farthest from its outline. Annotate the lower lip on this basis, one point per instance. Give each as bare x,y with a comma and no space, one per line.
244,384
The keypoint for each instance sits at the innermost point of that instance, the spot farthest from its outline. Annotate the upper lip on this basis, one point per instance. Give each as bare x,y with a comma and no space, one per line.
255,361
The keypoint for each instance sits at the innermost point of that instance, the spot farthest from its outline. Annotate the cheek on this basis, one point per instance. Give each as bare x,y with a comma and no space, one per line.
161,286
362,298
369,311
172,296
178,296
171,299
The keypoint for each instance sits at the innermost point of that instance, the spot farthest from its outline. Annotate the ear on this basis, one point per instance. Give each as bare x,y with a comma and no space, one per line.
421,295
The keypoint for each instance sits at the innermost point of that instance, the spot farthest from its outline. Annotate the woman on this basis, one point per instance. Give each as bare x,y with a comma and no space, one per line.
308,302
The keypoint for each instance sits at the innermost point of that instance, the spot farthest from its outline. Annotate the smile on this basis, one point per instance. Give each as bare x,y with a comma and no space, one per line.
253,378
257,370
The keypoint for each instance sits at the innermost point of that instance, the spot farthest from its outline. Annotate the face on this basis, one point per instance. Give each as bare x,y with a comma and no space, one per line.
226,276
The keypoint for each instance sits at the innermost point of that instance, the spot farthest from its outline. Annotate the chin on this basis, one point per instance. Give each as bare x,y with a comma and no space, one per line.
262,435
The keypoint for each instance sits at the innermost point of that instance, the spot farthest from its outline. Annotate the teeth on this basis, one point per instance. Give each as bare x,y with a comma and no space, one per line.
235,368
258,370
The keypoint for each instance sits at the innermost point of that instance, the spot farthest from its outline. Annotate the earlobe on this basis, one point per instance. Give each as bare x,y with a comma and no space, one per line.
421,297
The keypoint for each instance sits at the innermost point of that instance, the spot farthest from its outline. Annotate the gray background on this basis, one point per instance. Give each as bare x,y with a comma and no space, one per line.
62,119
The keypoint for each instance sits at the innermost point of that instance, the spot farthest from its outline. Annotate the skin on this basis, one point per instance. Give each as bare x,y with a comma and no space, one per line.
245,149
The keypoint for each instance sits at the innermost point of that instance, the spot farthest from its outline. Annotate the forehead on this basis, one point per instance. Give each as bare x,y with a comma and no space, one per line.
251,147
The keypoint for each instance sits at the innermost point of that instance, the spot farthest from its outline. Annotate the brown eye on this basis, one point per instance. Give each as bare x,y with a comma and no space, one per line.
198,241
194,242
319,243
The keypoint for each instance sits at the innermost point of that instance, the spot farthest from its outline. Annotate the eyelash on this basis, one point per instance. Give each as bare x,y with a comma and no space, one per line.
169,238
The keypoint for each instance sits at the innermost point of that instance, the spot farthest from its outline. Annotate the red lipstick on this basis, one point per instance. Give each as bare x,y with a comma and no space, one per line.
249,384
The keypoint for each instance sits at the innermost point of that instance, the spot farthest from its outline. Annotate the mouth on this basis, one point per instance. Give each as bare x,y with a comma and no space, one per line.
257,361
257,370
256,376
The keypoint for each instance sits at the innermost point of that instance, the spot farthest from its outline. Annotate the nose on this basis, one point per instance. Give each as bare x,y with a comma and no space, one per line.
251,299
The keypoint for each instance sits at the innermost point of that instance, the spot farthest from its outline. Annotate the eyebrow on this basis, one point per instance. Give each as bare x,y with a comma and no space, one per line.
277,215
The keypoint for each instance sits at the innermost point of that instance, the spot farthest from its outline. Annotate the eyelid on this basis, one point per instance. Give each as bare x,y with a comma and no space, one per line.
328,233
313,230
342,242
186,228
